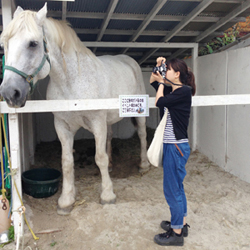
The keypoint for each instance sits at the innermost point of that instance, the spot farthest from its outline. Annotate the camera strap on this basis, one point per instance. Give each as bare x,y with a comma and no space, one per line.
176,84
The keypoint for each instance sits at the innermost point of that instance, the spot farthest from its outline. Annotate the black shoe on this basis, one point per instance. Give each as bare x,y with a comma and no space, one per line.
169,238
166,225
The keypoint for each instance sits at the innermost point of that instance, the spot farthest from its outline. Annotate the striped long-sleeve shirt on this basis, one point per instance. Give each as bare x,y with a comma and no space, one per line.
178,103
169,136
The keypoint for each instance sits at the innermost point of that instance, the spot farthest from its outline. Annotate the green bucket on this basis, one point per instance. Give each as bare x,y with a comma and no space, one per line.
41,182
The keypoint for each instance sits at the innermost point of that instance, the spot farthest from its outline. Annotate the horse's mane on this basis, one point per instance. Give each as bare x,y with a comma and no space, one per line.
65,37
59,31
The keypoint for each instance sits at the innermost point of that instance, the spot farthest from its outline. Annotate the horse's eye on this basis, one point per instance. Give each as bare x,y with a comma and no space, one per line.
33,43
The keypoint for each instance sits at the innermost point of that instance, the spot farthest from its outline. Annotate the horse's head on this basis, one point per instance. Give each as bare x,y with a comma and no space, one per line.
26,57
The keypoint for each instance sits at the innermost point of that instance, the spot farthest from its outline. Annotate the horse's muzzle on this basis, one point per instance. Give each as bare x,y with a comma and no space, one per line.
14,96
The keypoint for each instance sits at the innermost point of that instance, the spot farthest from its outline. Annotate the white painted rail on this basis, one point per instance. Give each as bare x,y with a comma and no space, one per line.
98,104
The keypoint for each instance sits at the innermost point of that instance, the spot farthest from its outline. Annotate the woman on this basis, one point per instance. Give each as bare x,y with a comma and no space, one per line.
176,100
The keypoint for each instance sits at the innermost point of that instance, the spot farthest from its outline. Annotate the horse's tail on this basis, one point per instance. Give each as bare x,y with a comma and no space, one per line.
133,120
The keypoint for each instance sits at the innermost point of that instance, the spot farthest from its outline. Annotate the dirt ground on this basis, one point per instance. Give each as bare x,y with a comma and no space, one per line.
218,205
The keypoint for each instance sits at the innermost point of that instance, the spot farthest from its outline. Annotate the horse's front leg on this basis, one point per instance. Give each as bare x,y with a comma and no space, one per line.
102,161
66,137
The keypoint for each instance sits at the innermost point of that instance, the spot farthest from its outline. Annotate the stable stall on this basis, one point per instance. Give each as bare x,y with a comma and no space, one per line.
168,28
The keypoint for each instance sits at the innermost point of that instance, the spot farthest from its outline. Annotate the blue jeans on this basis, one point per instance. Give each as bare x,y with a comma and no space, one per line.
174,173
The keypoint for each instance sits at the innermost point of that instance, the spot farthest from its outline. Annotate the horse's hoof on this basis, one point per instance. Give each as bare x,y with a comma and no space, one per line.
144,167
65,210
144,170
103,202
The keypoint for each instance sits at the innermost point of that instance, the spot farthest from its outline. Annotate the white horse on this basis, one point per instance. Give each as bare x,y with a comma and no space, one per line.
37,46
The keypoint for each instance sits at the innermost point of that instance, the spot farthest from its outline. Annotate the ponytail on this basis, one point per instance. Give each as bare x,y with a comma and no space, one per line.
191,81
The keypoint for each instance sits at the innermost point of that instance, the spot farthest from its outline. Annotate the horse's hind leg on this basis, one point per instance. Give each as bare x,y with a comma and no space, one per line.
66,137
102,161
141,123
109,146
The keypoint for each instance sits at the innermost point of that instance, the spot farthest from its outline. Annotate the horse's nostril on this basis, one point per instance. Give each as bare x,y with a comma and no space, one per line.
17,94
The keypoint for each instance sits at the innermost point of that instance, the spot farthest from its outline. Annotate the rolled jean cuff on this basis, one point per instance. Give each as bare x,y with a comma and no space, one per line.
185,215
176,226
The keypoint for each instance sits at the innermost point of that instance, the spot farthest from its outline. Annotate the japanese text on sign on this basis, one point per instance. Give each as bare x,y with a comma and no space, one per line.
133,105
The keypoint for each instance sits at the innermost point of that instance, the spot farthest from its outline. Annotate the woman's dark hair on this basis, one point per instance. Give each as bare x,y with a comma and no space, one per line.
186,75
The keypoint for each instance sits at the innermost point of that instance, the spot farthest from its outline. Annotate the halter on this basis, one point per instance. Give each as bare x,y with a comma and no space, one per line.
29,78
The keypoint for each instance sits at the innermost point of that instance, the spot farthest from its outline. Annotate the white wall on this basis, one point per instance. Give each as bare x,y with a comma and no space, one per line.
211,121
223,131
238,119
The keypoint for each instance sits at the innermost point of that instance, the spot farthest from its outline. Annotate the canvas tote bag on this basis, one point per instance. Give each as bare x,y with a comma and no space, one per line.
155,151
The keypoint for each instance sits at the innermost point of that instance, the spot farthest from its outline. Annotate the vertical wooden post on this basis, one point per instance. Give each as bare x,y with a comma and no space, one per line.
16,167
194,115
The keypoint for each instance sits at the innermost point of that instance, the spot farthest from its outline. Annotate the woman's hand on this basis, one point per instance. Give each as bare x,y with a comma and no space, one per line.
159,61
156,77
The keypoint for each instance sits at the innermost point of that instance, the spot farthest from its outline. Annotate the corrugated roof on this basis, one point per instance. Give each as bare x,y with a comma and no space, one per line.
134,7
178,8
88,6
146,21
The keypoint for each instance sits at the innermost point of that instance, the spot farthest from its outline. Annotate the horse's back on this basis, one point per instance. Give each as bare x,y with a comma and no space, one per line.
124,74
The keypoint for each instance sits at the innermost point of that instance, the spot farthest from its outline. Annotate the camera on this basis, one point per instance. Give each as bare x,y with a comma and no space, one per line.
162,69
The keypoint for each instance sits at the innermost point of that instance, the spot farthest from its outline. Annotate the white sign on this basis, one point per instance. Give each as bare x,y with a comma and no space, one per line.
133,105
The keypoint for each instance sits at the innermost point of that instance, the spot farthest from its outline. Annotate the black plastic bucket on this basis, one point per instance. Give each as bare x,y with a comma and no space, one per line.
41,182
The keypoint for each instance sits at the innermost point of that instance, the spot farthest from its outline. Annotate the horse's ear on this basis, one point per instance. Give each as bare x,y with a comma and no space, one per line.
41,14
17,11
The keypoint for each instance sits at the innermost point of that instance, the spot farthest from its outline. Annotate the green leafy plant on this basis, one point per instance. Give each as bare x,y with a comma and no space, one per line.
218,42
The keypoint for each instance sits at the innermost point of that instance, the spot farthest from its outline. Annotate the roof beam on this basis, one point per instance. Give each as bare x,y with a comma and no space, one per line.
139,17
144,33
129,53
60,0
243,6
177,53
195,12
132,53
138,45
107,18
146,21
216,1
